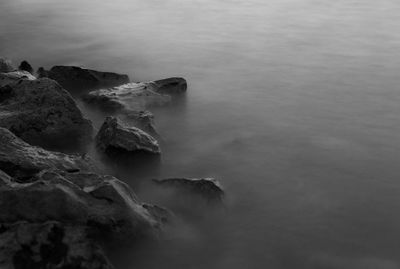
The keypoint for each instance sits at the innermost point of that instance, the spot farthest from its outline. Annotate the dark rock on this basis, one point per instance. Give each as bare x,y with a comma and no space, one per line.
144,120
6,65
129,97
170,85
72,77
25,66
22,161
51,244
14,77
41,111
77,198
62,220
115,134
208,188
42,73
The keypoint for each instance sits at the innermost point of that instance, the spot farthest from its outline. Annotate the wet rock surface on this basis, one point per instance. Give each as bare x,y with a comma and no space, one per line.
208,188
62,219
73,77
21,160
42,111
172,85
129,97
14,77
115,135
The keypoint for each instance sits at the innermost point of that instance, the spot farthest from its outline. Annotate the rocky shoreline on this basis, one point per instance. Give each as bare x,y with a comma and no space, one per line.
59,210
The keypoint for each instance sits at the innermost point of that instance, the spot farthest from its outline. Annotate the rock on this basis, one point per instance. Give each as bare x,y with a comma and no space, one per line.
72,77
41,112
22,161
170,85
208,188
14,77
144,120
63,218
161,214
114,134
25,66
6,66
49,245
128,97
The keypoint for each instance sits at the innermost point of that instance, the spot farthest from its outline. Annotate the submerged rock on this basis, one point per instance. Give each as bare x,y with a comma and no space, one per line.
25,66
62,219
6,65
134,96
41,111
14,77
114,134
22,161
72,77
208,188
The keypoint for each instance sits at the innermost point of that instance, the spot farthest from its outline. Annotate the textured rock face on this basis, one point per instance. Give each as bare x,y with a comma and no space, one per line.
144,120
208,188
62,219
76,77
21,160
170,85
128,97
6,66
41,110
114,134
49,245
13,77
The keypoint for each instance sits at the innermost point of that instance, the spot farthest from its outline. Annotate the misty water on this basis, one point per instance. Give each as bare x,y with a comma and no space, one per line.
292,104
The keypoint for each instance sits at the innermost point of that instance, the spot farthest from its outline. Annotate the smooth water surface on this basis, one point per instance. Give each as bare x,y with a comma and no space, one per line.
294,105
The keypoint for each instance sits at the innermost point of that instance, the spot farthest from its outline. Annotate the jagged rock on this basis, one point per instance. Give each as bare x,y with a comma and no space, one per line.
22,161
63,218
49,245
129,97
170,85
72,77
13,77
144,120
25,66
208,188
6,65
41,111
114,134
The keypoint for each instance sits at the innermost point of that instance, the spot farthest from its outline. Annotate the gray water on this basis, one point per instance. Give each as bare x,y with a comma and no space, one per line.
292,104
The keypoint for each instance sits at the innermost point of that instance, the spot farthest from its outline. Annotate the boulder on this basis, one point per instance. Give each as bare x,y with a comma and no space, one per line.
25,66
144,120
208,188
73,77
49,245
172,85
6,65
22,161
14,77
41,112
129,97
63,218
115,135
